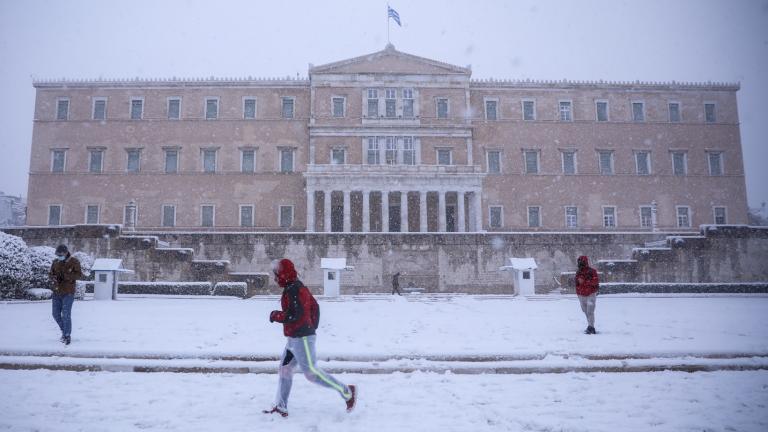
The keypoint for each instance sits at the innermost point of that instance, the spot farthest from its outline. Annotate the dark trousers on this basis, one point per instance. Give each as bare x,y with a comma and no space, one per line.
396,288
62,312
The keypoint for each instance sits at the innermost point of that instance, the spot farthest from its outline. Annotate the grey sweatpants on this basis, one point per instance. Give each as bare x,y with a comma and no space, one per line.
301,352
588,307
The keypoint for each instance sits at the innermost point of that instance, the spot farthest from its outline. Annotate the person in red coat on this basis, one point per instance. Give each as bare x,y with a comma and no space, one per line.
300,317
587,285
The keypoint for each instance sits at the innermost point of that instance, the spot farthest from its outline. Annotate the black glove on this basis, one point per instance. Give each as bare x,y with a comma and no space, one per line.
273,315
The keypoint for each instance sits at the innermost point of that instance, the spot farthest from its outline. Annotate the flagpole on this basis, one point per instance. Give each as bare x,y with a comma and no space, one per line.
387,23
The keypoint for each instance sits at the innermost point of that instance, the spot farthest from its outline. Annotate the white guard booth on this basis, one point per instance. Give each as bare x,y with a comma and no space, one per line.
106,271
522,275
332,268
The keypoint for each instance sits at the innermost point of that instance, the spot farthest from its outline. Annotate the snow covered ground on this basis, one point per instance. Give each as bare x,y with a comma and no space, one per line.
666,401
488,350
383,327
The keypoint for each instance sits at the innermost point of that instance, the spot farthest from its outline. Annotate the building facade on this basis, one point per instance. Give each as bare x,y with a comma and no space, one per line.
387,142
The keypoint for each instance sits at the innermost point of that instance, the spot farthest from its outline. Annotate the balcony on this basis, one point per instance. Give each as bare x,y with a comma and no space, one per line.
382,169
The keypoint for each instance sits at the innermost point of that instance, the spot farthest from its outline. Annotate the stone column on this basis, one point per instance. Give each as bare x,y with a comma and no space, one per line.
347,212
404,211
310,210
460,210
384,211
478,204
441,209
423,211
327,210
366,211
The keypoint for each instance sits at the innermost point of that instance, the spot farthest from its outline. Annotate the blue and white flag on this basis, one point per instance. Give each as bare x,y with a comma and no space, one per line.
394,15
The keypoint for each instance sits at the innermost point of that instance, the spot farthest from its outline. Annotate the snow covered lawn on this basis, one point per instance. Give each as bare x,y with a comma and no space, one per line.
383,327
666,401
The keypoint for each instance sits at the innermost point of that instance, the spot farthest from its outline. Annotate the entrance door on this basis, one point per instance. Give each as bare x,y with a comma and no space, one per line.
337,218
394,218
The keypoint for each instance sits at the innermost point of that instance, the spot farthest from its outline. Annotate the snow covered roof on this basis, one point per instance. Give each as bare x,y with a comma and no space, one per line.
521,264
333,263
109,264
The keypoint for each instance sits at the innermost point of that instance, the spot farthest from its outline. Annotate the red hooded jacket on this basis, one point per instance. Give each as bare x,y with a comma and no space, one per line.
587,281
300,314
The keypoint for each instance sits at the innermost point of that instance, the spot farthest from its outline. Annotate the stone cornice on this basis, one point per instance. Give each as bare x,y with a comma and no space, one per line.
491,83
170,82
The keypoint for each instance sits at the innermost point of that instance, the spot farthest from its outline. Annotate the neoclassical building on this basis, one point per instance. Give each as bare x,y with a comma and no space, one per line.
386,142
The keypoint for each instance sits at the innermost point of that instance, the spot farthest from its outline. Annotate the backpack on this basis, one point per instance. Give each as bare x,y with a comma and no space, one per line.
314,311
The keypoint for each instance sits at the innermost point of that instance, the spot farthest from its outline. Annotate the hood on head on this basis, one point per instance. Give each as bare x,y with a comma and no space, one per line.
583,261
284,272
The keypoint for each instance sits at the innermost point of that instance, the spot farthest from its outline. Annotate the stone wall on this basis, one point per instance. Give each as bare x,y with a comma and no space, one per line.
436,262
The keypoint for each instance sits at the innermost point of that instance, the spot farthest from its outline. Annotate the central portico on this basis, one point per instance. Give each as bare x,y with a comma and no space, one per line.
379,161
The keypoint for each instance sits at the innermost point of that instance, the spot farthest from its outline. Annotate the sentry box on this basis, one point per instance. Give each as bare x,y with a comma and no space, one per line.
522,275
106,275
332,268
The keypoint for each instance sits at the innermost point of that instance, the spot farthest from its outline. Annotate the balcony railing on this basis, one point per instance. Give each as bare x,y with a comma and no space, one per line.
393,169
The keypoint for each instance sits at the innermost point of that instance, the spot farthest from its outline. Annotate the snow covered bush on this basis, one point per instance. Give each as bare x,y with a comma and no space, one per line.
14,266
38,294
86,262
41,258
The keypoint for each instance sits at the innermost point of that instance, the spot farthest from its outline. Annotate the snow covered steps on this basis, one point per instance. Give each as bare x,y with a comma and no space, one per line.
550,363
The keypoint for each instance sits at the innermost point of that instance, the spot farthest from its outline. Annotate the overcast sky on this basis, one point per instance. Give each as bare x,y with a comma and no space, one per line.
654,40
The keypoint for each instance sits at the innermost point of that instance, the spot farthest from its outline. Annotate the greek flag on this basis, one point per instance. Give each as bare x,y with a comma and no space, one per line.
394,15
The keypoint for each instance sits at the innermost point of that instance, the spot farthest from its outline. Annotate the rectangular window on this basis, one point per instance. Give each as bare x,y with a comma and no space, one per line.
408,103
286,216
92,214
209,160
248,161
100,108
211,108
679,163
390,154
207,215
288,107
709,113
338,156
490,110
609,217
531,161
373,103
602,111
62,110
565,111
169,215
54,215
643,162
442,108
58,160
638,111
534,217
246,216
495,216
674,112
286,160
171,161
137,109
134,157
720,215
390,103
174,108
249,108
96,162
373,151
646,220
443,156
529,110
715,163
338,106
683,217
569,162
606,162
409,153
571,217
494,162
